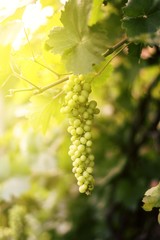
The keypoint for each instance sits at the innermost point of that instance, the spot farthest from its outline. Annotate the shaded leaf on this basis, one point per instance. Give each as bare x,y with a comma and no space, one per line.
140,8
134,52
142,22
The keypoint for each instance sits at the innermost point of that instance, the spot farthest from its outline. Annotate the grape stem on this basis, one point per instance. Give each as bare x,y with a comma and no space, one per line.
51,85
39,90
102,69
35,88
115,47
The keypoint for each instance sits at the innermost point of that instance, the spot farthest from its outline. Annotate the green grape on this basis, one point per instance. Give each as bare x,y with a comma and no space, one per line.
76,142
89,143
79,131
83,140
96,111
83,188
77,123
77,88
88,135
83,157
82,99
81,113
87,128
89,122
75,112
92,104
81,148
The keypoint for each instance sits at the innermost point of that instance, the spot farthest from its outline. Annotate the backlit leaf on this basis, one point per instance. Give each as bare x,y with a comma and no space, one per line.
95,11
41,111
75,40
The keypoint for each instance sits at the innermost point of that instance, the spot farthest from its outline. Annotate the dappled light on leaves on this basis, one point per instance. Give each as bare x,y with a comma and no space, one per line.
59,60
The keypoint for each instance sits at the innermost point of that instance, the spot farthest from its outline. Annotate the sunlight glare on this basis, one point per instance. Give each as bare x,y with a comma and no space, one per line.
33,17
8,7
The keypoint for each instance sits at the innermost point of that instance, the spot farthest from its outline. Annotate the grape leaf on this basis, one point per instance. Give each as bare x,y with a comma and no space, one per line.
134,52
140,8
95,12
81,46
152,198
141,21
41,111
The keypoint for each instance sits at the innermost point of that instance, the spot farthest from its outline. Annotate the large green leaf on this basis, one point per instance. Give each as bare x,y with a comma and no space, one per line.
141,7
81,46
141,21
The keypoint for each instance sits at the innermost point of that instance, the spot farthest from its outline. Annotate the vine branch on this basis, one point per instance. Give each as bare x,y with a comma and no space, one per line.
115,47
51,85
35,89
39,90
98,73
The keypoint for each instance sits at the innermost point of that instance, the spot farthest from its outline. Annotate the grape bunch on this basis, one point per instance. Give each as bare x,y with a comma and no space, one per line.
81,113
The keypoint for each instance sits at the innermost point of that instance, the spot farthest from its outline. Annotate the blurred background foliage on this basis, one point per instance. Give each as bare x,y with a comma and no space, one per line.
39,198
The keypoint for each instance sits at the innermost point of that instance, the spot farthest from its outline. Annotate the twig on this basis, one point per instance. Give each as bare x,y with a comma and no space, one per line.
111,59
51,85
39,90
13,91
115,47
58,94
21,77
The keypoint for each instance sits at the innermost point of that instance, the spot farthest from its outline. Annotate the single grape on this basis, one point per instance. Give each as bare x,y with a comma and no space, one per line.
79,131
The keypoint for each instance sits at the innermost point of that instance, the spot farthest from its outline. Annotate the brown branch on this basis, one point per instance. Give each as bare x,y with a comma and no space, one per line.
115,47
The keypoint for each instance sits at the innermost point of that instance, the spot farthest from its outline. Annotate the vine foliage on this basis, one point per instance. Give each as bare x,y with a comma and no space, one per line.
116,45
